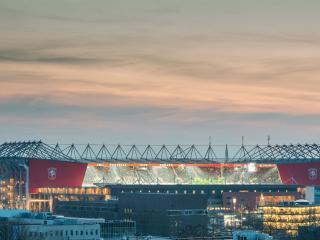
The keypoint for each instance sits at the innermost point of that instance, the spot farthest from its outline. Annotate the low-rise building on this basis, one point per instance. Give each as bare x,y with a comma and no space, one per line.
45,226
250,235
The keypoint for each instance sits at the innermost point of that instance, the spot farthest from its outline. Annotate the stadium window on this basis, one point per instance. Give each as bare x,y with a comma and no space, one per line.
213,191
194,192
81,233
176,191
202,191
71,232
185,191
96,231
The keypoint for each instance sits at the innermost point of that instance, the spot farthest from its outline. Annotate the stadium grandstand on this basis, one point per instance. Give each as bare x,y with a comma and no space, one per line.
26,167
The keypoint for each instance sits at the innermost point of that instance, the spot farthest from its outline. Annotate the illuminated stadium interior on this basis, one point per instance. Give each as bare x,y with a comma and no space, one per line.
182,175
28,166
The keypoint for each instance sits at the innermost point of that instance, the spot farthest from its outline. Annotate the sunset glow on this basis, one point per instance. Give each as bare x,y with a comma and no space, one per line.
81,71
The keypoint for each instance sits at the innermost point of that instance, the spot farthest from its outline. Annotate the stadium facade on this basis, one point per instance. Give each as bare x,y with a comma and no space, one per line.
27,167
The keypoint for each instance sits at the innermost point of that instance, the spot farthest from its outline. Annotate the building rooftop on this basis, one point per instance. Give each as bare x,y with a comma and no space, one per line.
47,218
6,213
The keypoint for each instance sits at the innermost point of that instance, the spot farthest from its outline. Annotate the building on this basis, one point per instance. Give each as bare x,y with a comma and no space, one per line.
109,209
26,225
158,214
137,203
309,233
313,194
28,168
46,198
211,190
162,214
249,201
118,229
250,235
288,217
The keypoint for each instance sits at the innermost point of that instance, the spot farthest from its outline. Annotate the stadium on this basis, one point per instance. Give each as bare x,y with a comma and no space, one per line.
28,167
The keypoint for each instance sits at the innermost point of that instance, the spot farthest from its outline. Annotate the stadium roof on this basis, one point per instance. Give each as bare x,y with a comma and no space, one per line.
30,150
179,154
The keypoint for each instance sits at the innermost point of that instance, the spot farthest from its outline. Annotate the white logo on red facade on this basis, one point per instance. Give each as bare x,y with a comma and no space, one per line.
52,173
313,173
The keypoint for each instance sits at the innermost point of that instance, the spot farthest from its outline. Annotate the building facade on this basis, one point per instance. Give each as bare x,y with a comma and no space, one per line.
288,218
45,226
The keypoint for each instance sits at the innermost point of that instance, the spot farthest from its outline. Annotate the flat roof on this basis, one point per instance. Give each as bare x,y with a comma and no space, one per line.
199,186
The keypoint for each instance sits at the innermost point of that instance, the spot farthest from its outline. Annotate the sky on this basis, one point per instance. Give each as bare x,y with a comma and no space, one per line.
151,71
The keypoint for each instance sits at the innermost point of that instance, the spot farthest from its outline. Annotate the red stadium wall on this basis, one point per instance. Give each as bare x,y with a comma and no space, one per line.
46,173
300,173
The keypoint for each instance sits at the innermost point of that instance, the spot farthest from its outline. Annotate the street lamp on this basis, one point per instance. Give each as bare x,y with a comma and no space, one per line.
234,202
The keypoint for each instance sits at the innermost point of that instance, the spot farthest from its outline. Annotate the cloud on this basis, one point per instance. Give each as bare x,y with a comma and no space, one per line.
170,69
20,55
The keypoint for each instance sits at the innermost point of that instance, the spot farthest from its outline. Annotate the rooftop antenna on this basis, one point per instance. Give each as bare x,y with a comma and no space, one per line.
242,140
268,140
210,140
226,153
224,178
